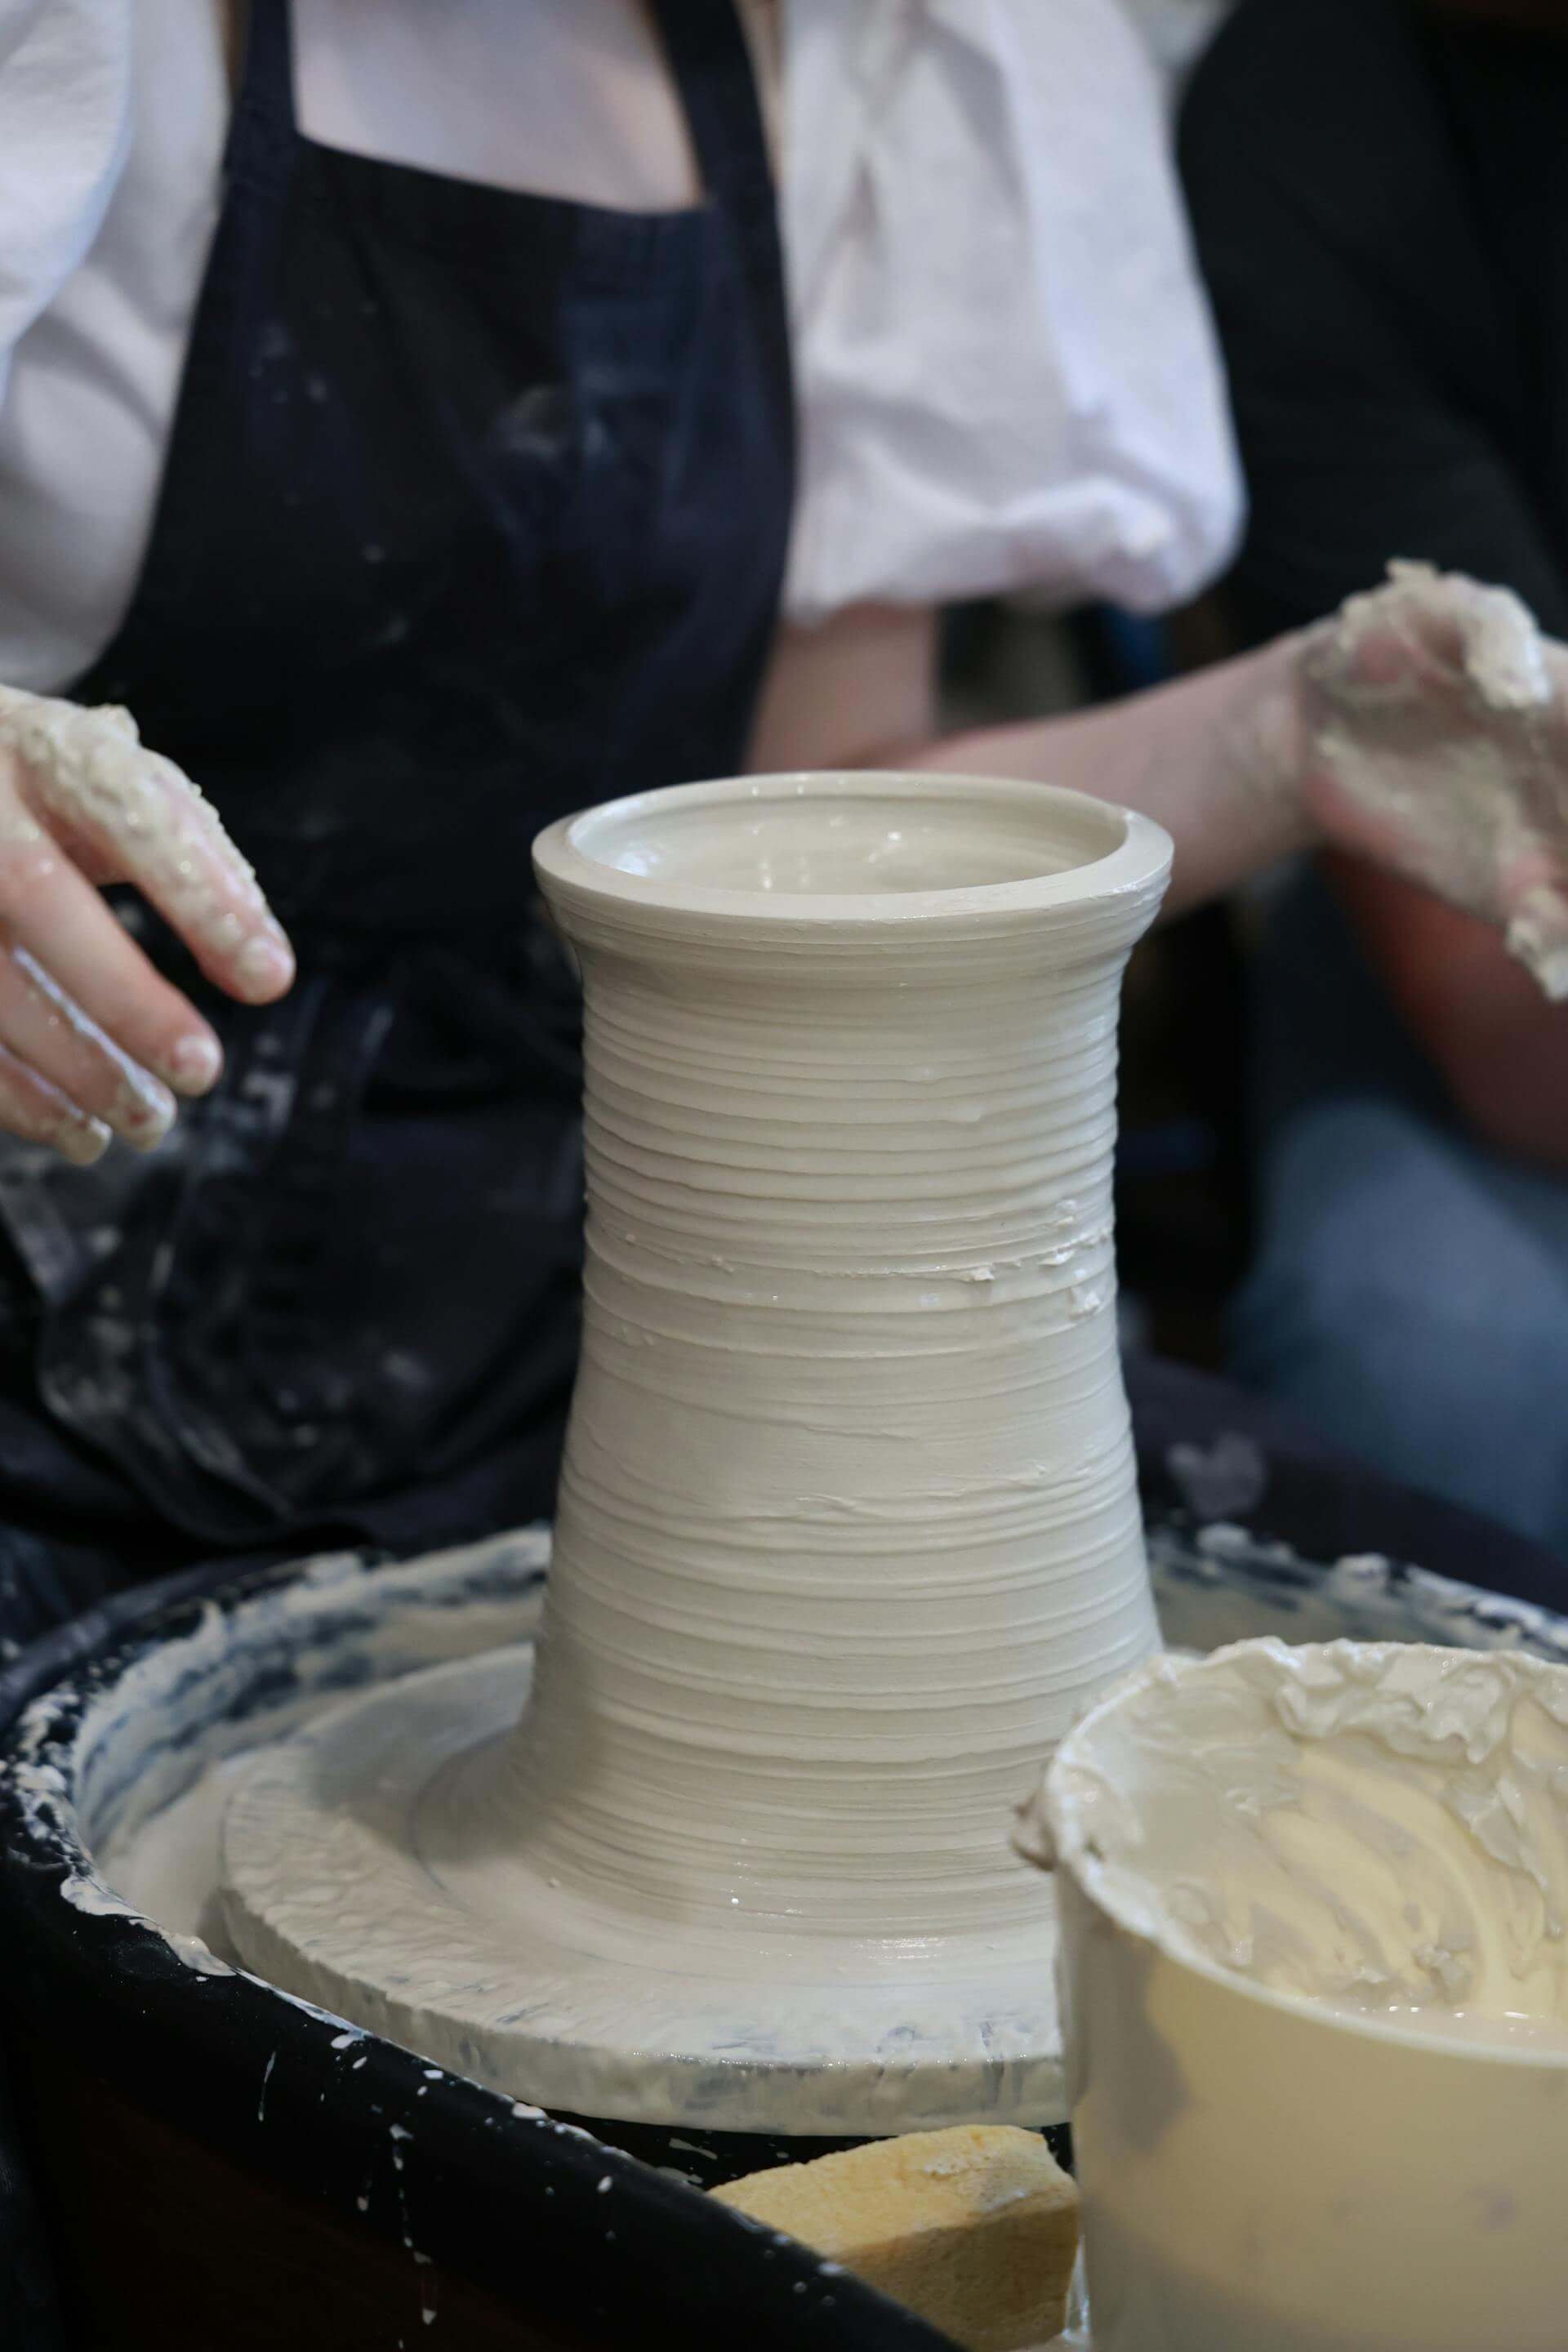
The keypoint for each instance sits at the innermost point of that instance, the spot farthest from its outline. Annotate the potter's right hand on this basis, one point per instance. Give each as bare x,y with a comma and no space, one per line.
93,1040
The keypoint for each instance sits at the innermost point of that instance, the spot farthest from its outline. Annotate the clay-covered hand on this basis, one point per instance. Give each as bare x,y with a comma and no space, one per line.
93,1040
1437,726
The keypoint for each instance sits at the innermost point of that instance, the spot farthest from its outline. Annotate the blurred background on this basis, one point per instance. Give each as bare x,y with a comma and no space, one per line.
1345,1110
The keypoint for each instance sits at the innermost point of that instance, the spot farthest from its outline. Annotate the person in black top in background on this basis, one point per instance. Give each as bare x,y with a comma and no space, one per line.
1379,190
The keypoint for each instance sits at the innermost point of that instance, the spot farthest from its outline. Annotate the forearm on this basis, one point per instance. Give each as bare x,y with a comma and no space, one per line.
1500,1049
836,695
1424,725
1216,759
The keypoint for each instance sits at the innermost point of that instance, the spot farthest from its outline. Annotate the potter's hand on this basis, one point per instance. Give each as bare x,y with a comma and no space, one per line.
93,1039
1437,726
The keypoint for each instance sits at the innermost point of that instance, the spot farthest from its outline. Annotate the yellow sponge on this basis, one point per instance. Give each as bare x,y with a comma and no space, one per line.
975,2229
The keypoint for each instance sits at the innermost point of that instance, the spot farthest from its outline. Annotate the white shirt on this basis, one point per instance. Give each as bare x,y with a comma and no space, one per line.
1005,367
1178,30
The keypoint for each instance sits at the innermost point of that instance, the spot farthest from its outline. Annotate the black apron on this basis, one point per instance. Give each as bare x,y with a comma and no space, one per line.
474,512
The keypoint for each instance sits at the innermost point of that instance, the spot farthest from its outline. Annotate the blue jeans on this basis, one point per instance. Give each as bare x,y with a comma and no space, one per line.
1410,1289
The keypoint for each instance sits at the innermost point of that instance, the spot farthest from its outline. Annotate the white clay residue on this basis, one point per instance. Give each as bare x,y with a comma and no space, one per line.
142,1110
91,774
1384,1829
169,1874
1434,707
157,1753
1315,1954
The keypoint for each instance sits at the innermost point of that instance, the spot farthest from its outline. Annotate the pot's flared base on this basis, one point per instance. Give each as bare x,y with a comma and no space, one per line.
345,1882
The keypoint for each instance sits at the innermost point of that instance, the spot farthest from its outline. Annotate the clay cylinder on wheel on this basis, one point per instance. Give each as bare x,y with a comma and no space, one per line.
848,1529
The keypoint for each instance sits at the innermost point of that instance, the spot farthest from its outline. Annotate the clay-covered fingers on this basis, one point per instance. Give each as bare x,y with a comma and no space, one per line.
1537,934
1422,631
39,1113
1501,651
1533,876
62,938
45,1035
122,813
1437,733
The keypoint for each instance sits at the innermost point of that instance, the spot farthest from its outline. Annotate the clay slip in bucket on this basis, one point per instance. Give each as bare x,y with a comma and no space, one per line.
1315,1986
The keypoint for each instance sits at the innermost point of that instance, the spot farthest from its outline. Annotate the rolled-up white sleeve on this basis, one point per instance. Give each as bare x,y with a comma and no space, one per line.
65,127
1006,374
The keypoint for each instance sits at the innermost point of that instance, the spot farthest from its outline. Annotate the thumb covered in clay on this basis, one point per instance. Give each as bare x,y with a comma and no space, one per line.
1435,720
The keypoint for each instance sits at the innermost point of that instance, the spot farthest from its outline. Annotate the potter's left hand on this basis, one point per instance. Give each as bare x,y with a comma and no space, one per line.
1437,726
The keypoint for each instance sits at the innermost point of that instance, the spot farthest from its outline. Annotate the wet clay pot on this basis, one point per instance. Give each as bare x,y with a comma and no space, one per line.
848,1527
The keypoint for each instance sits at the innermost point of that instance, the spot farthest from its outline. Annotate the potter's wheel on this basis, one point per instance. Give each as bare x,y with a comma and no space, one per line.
598,2038
142,1719
367,1837
371,1865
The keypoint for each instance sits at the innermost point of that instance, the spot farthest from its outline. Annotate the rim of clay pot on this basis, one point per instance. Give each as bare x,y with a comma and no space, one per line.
1072,1842
1093,853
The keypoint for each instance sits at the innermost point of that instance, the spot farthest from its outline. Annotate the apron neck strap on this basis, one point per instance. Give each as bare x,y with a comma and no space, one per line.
267,74
711,59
